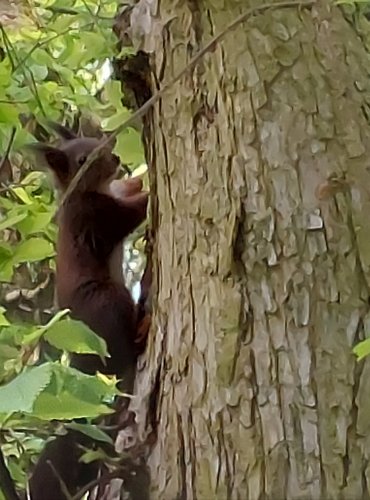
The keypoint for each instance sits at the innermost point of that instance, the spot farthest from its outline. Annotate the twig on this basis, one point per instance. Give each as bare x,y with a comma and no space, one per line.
6,480
96,482
8,148
155,97
62,483
7,45
29,79
10,187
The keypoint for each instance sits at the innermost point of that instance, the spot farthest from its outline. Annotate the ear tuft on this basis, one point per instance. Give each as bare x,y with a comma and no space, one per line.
56,159
63,132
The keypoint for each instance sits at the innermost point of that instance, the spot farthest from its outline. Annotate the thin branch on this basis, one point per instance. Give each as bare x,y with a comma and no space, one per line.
10,187
6,481
36,92
29,79
102,480
8,148
193,62
7,45
40,44
63,486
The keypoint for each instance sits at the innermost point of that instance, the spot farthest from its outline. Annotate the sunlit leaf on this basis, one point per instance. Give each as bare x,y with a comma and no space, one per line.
12,221
35,333
115,120
32,250
129,147
3,320
74,336
8,114
20,394
66,406
34,223
362,349
22,195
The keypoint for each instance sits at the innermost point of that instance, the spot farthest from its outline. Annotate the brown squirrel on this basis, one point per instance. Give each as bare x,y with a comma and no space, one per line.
92,222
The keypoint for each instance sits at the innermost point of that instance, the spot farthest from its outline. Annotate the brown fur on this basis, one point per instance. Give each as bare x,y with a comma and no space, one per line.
94,220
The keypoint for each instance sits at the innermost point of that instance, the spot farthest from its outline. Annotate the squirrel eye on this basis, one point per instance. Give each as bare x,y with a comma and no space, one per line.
81,160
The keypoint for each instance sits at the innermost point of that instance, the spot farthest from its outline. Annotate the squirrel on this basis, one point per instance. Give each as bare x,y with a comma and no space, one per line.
93,222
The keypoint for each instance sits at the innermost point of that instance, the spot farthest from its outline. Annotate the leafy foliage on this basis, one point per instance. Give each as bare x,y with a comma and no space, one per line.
54,64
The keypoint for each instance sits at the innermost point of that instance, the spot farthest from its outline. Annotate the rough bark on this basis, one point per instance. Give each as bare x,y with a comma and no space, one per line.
261,258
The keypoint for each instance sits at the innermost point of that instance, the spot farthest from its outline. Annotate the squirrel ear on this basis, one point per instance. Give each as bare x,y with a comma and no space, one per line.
56,159
63,132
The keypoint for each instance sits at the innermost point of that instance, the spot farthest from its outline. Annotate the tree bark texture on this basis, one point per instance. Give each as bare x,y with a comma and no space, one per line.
260,176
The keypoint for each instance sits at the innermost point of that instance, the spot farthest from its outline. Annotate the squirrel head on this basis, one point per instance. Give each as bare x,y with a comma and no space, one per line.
67,158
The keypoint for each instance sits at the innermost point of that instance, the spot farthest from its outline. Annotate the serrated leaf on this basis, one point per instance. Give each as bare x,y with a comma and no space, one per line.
73,394
74,336
20,394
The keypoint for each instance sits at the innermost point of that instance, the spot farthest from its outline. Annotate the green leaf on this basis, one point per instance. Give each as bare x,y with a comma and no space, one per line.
15,470
39,72
74,336
362,349
66,406
113,94
3,320
35,334
8,114
115,120
20,394
33,250
91,431
5,74
62,23
93,455
34,223
95,44
72,394
22,195
129,147
12,220
6,262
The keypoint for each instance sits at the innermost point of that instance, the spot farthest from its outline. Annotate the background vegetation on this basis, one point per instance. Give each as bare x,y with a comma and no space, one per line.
54,65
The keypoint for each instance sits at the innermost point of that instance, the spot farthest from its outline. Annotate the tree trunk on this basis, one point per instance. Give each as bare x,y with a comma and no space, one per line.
261,186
